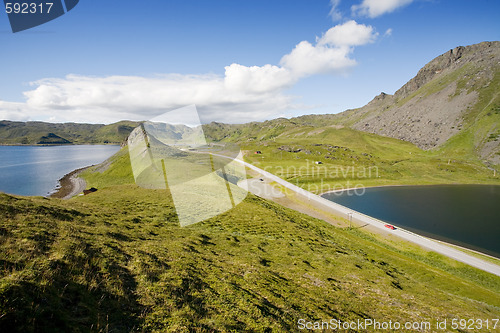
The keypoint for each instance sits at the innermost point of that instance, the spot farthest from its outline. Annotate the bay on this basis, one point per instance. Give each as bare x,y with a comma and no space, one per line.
465,215
35,170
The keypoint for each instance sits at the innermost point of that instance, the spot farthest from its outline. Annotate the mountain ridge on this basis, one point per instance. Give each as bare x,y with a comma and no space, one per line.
452,105
38,132
455,93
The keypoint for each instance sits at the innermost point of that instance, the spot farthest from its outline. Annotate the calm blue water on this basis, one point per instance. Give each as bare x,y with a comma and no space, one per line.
34,170
466,215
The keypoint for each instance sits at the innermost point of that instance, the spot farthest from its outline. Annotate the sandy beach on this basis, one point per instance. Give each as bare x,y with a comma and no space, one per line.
70,185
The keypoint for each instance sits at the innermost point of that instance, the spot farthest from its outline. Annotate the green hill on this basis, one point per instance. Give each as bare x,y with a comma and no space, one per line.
349,157
117,261
451,105
35,132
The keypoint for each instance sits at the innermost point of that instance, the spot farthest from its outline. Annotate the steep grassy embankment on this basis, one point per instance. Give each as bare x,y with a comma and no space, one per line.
117,261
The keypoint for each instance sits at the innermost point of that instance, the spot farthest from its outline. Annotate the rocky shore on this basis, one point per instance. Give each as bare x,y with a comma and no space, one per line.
70,185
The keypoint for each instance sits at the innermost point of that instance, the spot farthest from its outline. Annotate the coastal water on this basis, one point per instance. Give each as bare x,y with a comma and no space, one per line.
465,215
35,170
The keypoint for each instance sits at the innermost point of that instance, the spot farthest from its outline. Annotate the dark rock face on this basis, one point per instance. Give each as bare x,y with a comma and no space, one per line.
483,53
438,102
52,139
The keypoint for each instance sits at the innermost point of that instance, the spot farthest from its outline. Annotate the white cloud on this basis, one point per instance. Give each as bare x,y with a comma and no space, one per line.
13,111
126,92
244,93
107,99
306,59
331,52
257,79
335,14
388,32
374,8
348,34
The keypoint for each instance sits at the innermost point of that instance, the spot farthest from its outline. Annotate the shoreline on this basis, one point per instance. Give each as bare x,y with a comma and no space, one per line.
399,185
58,144
365,187
70,185
435,237
466,249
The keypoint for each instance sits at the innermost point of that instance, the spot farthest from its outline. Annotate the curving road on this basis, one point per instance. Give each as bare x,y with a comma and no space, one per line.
362,218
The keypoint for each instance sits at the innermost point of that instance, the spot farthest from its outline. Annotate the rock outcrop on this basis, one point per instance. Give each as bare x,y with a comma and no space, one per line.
453,92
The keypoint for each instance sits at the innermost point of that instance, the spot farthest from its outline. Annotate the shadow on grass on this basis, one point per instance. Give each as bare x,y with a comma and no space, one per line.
67,304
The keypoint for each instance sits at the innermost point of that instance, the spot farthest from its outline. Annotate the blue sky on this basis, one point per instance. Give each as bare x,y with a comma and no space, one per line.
236,60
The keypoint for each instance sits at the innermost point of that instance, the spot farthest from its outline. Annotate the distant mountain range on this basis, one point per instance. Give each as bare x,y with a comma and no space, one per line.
452,104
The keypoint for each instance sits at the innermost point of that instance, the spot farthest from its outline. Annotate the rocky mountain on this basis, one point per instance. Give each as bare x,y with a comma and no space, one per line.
453,101
452,105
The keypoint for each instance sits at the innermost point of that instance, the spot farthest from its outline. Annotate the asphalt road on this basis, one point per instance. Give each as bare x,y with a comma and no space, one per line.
360,218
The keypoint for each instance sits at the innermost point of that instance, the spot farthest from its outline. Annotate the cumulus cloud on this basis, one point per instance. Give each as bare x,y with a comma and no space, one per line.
306,60
348,34
331,54
107,99
127,92
257,79
374,8
242,94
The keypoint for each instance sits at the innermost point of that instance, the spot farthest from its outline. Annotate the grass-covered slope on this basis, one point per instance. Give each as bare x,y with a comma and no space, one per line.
350,157
480,139
117,261
34,132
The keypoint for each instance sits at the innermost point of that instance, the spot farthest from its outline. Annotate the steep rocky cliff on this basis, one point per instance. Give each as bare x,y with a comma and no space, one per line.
456,94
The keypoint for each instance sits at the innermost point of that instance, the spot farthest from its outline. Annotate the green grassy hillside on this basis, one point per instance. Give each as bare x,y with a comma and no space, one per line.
349,157
452,106
117,261
32,133
480,138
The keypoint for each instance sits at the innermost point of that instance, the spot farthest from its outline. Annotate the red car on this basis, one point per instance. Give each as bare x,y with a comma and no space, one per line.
390,227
